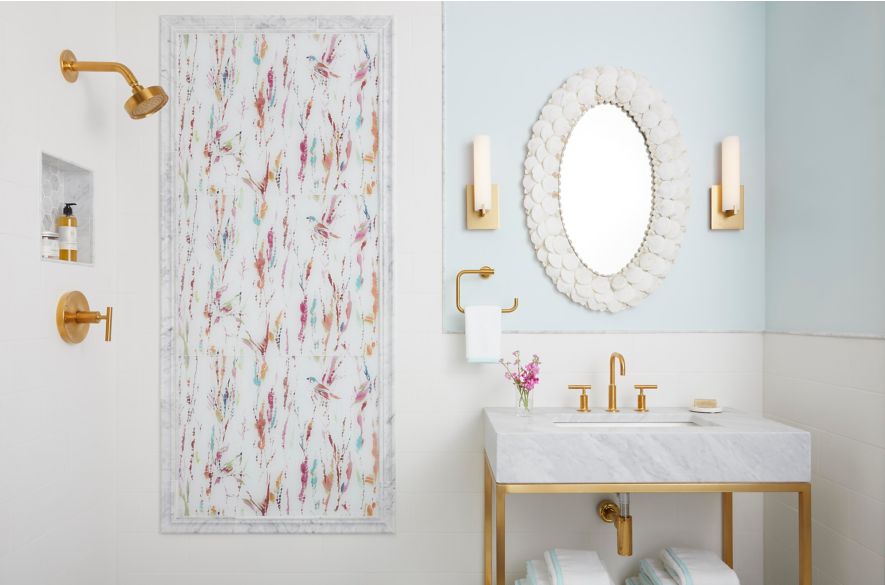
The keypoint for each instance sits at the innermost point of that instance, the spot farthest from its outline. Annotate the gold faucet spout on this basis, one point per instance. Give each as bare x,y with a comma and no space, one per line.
612,388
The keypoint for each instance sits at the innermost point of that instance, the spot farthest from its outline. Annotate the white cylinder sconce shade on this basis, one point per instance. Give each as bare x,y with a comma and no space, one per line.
731,174
482,173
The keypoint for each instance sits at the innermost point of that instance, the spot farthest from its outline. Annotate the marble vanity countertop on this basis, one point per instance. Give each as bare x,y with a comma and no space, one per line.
667,445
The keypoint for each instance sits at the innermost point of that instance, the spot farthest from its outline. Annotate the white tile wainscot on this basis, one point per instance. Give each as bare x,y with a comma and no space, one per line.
834,387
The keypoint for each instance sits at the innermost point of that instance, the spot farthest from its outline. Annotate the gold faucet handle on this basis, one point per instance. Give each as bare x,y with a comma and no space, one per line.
108,322
583,398
640,400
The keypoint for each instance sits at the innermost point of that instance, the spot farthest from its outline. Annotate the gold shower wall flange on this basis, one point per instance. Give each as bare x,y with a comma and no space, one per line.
66,61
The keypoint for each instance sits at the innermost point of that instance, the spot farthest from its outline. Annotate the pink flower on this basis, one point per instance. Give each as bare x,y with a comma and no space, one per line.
525,378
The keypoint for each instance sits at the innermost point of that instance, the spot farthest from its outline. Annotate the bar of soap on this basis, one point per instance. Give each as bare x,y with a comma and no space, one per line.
706,405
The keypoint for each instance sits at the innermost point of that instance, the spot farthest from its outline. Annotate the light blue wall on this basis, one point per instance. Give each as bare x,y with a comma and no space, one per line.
502,61
826,167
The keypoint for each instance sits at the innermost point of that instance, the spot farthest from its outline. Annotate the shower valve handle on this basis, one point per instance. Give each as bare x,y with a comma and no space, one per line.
73,318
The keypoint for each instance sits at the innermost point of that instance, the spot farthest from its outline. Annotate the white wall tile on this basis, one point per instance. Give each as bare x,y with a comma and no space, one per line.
56,401
867,522
831,386
854,464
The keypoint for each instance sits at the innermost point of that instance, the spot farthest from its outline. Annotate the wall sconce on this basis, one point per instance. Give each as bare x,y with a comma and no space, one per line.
727,199
482,195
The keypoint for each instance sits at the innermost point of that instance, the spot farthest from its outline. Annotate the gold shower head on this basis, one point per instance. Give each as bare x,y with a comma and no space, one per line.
144,101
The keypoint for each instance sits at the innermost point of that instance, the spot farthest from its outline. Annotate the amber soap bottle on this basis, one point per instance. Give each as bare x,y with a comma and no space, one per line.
67,234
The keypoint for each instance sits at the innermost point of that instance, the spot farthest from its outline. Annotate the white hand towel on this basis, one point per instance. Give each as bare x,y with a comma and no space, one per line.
689,566
482,334
576,567
653,572
536,573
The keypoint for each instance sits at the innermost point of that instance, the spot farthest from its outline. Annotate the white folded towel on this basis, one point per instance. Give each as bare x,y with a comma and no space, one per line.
576,567
653,572
482,334
536,573
689,566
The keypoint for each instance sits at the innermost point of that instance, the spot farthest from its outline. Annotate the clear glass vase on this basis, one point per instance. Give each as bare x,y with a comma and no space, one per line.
524,402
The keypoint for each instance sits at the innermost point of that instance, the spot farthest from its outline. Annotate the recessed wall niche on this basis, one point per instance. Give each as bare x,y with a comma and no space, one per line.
64,182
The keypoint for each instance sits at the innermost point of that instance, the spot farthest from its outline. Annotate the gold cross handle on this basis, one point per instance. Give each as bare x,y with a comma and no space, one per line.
640,400
583,399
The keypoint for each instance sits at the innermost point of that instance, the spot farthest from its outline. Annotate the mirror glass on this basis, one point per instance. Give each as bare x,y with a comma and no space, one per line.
606,188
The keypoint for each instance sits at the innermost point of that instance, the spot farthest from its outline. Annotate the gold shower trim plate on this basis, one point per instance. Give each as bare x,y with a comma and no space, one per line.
73,317
144,100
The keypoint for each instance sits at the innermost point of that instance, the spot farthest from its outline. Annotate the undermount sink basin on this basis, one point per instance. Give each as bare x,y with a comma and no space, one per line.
599,420
666,445
623,424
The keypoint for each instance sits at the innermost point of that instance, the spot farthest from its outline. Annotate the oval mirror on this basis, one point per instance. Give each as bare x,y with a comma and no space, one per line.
605,190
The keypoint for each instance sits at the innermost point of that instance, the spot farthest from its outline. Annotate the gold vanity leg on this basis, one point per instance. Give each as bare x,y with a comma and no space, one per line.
500,517
728,529
805,535
487,525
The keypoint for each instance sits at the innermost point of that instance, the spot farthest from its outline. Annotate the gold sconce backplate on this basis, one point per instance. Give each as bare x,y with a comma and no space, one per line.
720,220
492,218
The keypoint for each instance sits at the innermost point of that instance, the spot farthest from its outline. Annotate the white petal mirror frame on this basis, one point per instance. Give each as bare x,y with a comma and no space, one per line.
671,194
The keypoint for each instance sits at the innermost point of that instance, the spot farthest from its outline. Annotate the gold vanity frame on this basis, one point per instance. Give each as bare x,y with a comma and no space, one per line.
497,515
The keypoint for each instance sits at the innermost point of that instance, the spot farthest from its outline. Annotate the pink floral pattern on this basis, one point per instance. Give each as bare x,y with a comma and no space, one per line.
277,278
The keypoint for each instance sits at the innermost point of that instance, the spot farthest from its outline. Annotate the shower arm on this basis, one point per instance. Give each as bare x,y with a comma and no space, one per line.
106,66
71,67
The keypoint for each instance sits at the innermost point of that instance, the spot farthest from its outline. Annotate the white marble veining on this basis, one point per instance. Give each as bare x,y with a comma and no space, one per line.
727,447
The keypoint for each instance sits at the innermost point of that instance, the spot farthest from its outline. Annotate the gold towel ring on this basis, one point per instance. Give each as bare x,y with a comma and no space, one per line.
484,272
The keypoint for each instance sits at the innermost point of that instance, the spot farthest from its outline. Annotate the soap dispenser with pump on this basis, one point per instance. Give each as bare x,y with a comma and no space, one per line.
67,232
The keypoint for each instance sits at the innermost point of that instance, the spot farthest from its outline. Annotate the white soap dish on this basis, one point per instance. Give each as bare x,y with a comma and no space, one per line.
705,406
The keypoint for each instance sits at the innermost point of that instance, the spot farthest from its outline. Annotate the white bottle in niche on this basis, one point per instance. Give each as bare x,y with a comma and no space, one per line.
49,247
67,234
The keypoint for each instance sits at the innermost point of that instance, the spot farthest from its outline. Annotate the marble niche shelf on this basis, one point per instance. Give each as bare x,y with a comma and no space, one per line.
62,181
